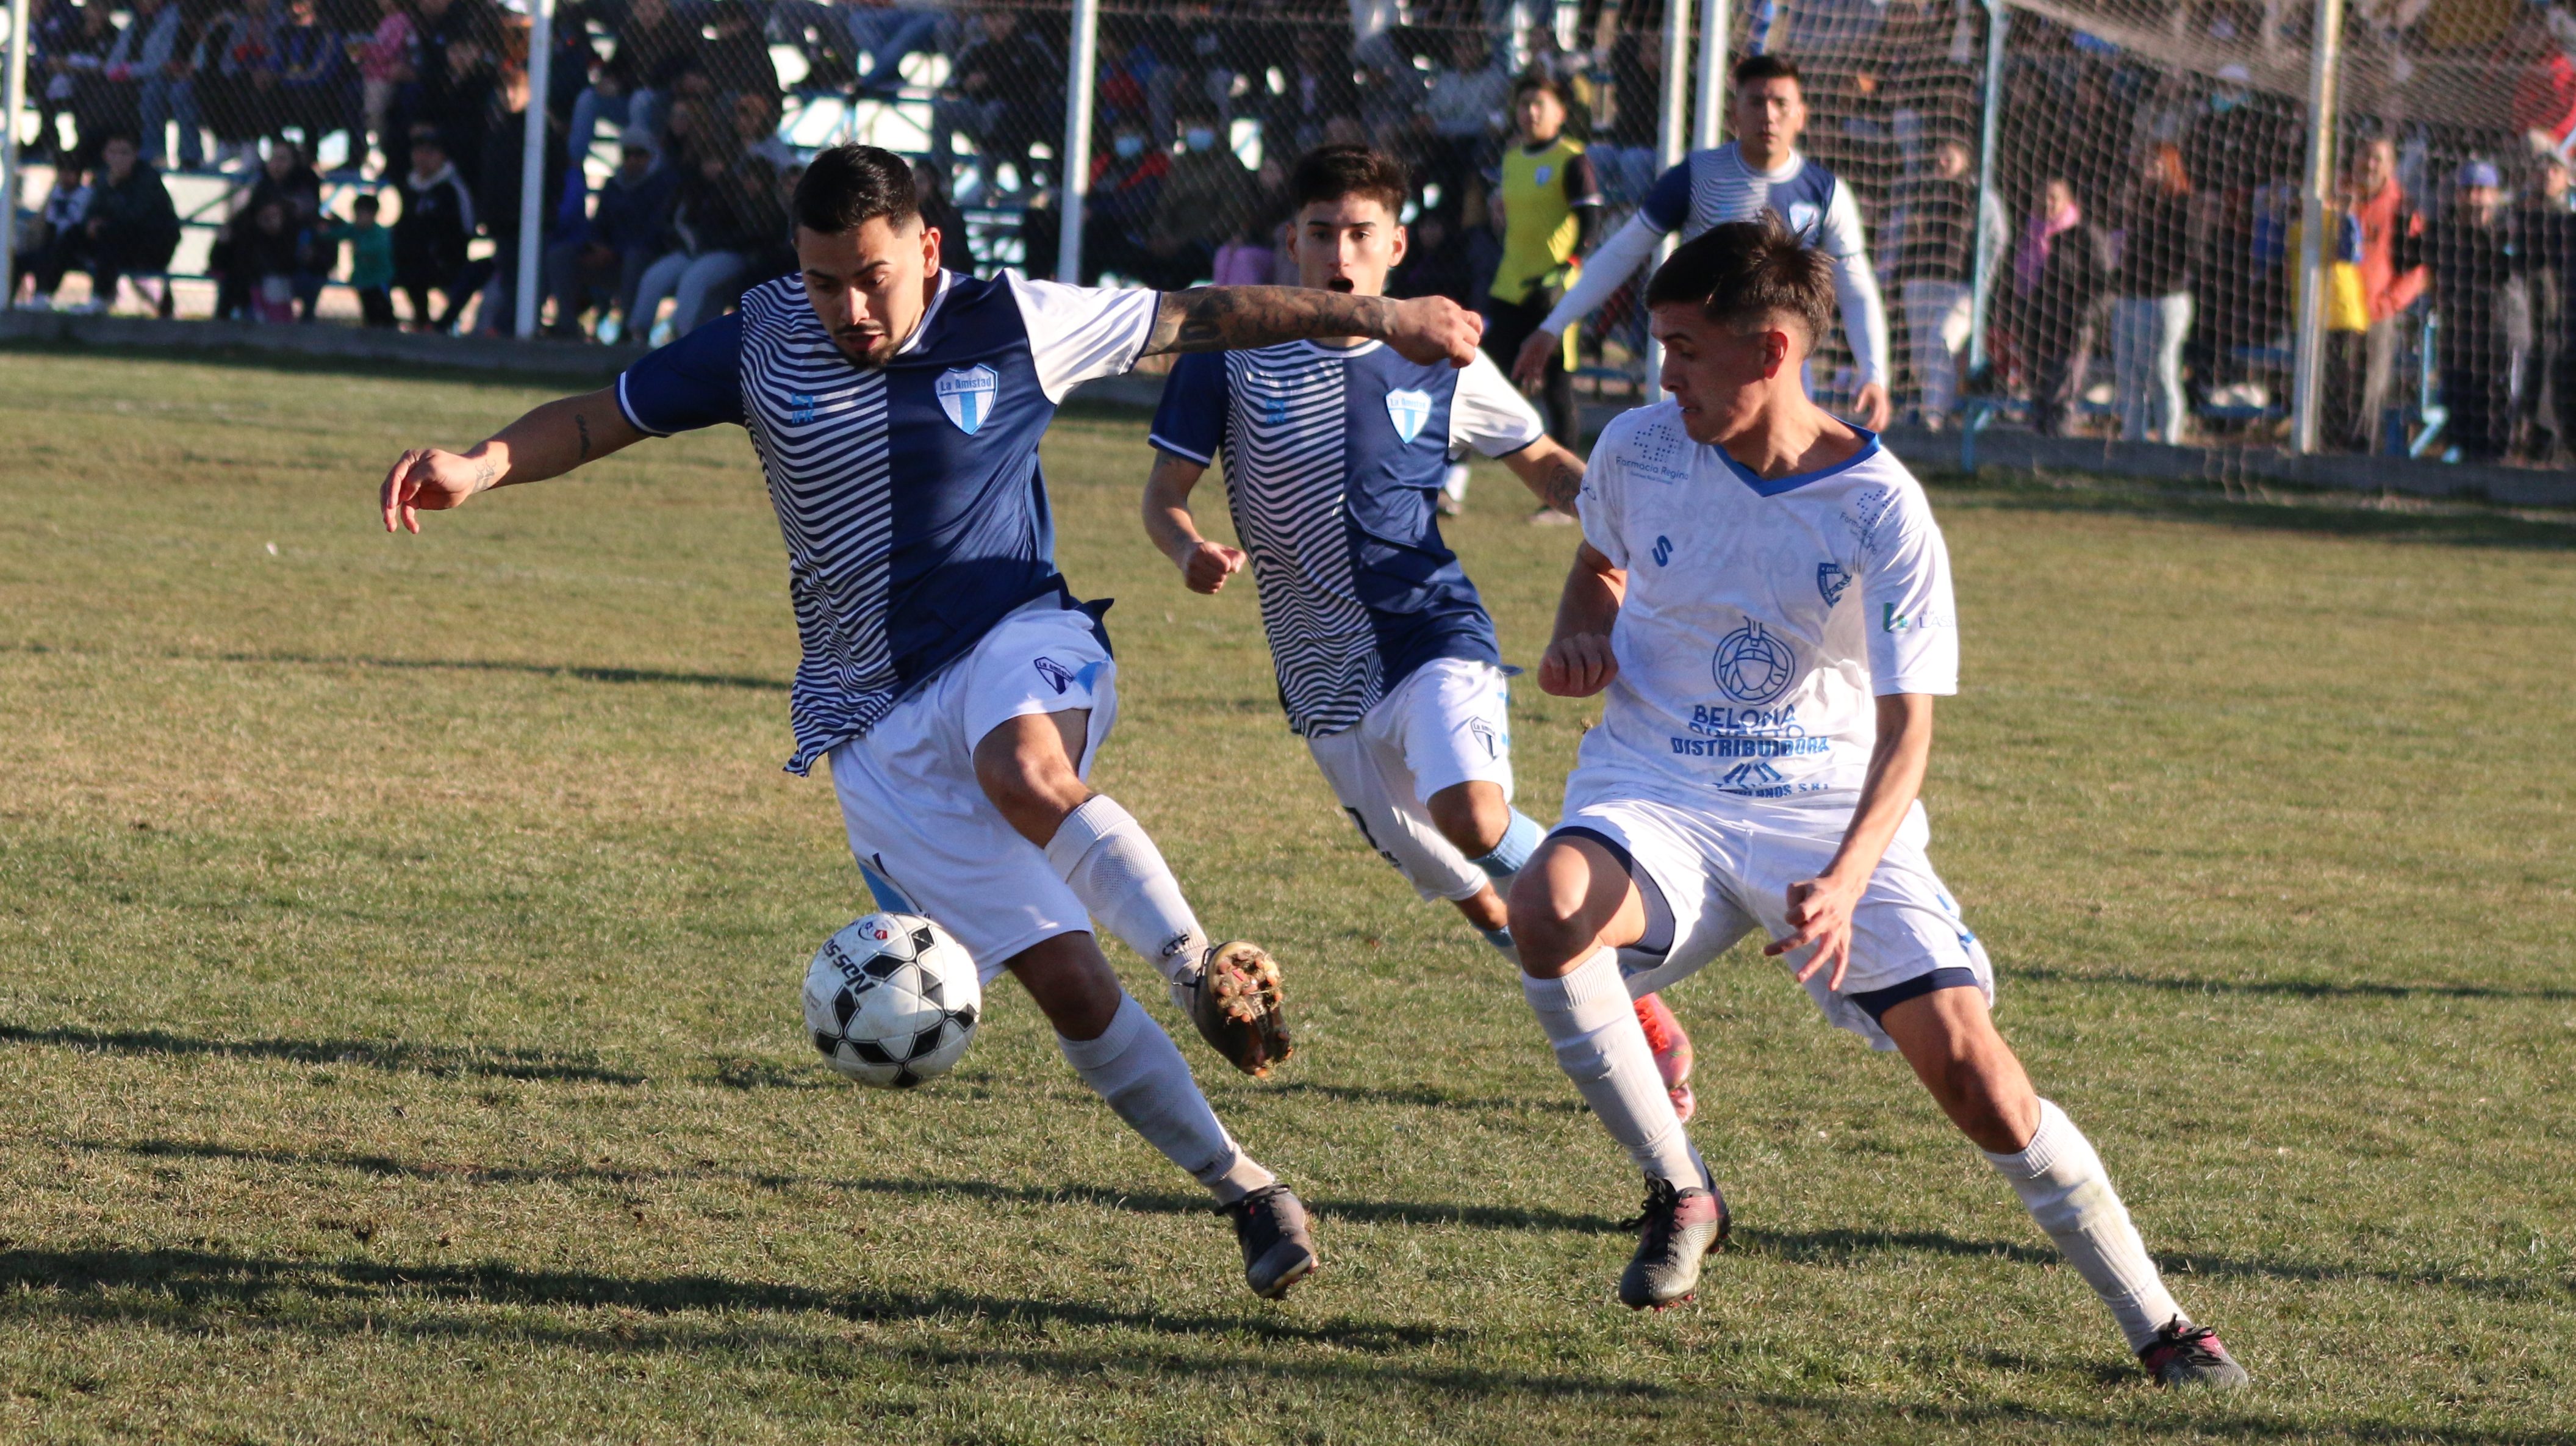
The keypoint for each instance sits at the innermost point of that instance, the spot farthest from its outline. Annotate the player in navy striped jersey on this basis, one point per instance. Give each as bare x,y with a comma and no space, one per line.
1334,453
1760,170
956,687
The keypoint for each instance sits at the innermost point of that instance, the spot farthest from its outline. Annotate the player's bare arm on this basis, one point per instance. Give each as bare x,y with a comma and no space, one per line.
1578,662
548,442
1821,908
1204,565
1234,318
1550,471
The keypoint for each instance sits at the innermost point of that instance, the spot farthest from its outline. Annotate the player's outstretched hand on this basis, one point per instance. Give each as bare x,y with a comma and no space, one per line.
1529,369
1820,911
1208,564
427,479
1434,328
1577,665
1870,408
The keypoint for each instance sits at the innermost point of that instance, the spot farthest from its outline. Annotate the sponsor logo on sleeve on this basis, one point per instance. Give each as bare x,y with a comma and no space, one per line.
966,395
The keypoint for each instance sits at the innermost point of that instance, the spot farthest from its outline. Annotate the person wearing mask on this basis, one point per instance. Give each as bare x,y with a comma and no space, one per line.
1935,232
1760,170
2058,275
2392,274
430,238
627,231
131,227
2153,314
1126,184
2484,314
1551,206
1205,201
150,58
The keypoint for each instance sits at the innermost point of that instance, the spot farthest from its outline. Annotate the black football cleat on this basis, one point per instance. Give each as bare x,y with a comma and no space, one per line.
1278,1251
1678,1229
2190,1357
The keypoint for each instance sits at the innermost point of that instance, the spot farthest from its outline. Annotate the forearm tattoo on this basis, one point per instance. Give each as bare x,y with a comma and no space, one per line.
1229,318
1559,482
581,423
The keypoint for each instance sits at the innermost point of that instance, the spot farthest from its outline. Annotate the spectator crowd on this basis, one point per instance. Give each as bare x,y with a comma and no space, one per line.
2136,230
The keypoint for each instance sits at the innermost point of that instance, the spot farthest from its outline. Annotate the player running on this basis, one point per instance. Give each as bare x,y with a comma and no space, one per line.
957,689
1386,660
1764,594
1760,170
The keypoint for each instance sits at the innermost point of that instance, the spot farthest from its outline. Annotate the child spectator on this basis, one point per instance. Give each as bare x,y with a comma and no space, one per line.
384,65
268,257
51,245
430,239
1551,205
371,259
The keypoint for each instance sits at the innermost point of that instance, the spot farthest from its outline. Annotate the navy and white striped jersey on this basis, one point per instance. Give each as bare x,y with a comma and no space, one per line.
909,494
1332,458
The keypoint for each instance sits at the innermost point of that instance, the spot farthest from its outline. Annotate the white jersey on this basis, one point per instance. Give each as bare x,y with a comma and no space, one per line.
1762,617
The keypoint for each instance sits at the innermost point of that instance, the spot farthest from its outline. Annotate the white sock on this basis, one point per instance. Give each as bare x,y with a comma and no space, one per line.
1114,868
1135,1067
1602,1048
2062,1181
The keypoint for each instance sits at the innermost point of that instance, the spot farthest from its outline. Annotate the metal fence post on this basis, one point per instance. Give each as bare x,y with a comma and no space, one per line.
2307,374
1716,20
1989,126
533,200
1074,165
13,98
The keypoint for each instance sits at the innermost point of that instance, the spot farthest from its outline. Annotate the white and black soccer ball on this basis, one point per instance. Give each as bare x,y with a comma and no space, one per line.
891,1000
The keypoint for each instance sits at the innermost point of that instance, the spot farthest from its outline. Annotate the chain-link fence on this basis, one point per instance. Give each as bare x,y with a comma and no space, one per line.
2089,216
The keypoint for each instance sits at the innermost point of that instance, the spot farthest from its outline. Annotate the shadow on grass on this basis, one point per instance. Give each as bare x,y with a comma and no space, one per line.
221,1280
580,672
1425,1098
2283,988
384,1054
1847,1247
2283,509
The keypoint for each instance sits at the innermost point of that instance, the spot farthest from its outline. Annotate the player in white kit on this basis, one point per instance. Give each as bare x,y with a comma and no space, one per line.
1765,597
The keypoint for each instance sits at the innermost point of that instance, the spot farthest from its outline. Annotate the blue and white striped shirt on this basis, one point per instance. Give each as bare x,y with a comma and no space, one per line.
909,495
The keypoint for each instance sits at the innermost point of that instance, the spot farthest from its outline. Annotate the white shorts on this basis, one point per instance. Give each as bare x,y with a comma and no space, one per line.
925,835
1724,872
1446,724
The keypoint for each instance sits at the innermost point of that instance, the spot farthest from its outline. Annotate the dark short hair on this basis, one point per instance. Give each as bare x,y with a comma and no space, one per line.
1753,68
365,203
845,187
1745,272
1541,80
1328,173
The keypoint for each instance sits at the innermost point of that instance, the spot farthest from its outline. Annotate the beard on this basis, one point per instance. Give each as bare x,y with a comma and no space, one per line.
867,348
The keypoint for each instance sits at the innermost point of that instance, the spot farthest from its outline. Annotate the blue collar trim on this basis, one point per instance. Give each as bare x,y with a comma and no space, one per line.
1774,486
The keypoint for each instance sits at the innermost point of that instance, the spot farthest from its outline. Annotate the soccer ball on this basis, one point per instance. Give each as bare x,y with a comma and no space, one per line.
892,1000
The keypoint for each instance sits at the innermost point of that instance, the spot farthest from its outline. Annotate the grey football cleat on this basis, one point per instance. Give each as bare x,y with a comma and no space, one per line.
2190,1357
1278,1252
1678,1229
1238,1005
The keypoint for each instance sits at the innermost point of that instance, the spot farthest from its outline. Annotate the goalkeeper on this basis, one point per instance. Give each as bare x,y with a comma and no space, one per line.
1760,170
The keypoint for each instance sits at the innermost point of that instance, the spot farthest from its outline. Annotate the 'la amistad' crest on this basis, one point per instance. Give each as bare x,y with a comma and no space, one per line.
1409,410
966,394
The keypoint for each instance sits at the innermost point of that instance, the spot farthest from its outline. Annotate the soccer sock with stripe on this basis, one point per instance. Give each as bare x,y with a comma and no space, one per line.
2062,1181
1111,863
1602,1048
1136,1068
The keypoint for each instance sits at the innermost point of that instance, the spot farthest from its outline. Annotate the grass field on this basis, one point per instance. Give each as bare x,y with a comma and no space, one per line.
399,942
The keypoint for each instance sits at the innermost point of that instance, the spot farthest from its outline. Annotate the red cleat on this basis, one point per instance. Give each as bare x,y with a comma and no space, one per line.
1672,1050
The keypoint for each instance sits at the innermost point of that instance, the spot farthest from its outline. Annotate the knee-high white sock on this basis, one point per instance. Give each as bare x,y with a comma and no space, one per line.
1114,868
1602,1048
2059,1177
1135,1067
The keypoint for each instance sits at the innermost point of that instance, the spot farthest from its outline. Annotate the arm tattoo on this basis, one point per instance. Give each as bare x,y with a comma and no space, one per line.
581,422
1227,318
1560,484
484,472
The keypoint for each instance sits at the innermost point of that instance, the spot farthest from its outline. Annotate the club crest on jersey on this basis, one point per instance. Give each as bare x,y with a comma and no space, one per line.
1803,217
1831,580
966,395
1057,674
1483,732
1753,666
1408,410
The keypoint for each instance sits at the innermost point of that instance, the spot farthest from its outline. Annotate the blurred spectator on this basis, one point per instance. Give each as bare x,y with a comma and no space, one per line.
885,33
940,213
737,59
431,235
269,261
76,84
371,259
52,245
236,63
56,26
728,212
1317,88
1623,152
1465,111
755,129
284,180
151,61
2059,273
497,196
1551,209
2547,249
1435,263
470,104
2363,367
651,47
1189,60
1006,92
2153,314
385,64
628,230
1126,186
315,91
131,228
1206,201
452,82
2485,317
1935,233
